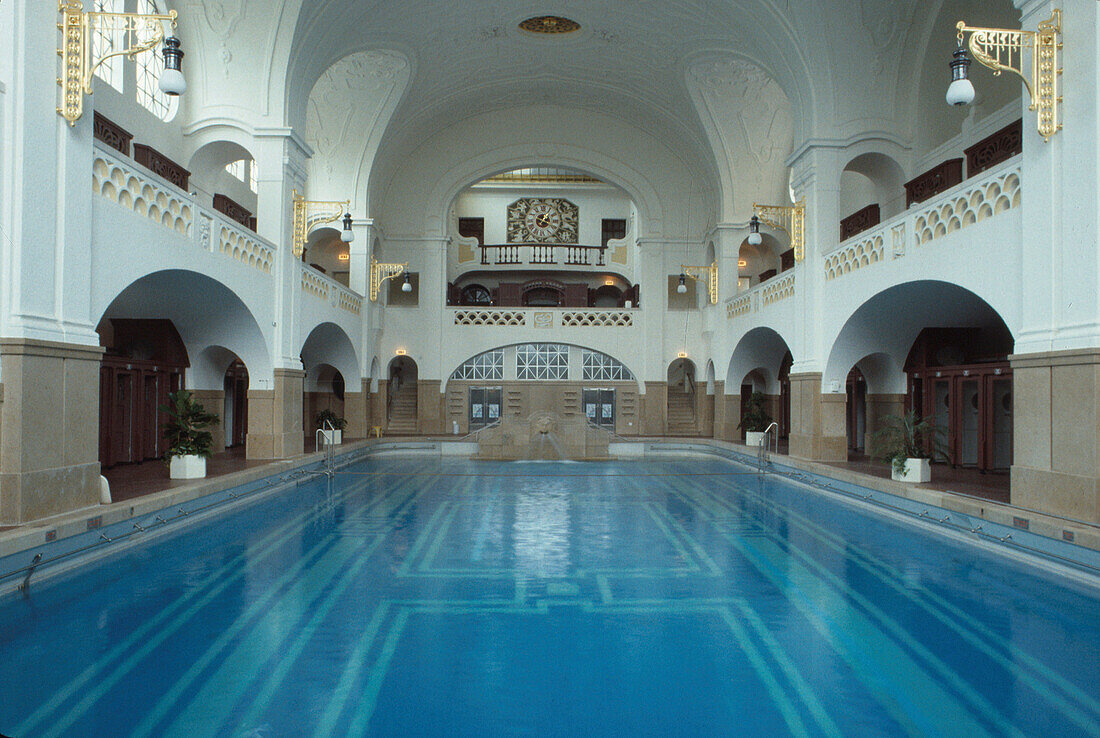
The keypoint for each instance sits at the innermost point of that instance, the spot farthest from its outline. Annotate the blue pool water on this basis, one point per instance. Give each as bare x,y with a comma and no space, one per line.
451,597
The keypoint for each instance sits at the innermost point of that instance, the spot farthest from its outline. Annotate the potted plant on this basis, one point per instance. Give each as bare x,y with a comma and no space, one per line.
188,445
331,426
755,419
903,441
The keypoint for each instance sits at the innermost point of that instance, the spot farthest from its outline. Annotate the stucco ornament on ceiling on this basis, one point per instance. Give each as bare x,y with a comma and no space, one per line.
752,116
223,17
882,28
344,108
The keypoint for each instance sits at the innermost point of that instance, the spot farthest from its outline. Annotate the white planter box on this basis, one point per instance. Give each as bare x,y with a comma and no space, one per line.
753,439
917,471
187,467
333,437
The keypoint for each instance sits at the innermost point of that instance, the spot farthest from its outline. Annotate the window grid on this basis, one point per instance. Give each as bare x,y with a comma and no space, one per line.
149,67
252,176
236,168
488,366
106,41
599,367
542,361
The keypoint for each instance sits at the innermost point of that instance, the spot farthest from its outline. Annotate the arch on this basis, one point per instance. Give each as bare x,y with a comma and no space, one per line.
204,312
710,376
449,185
633,375
763,350
323,250
375,374
872,178
761,259
680,369
912,306
328,344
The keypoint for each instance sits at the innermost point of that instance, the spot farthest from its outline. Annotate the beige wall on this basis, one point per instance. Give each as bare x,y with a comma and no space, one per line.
880,407
1056,433
727,415
357,411
655,415
429,406
54,385
818,422
521,399
275,418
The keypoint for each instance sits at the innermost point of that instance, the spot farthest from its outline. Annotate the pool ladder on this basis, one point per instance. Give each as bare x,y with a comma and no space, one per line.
326,442
762,450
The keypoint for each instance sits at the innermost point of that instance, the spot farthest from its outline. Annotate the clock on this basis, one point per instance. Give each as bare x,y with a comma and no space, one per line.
543,220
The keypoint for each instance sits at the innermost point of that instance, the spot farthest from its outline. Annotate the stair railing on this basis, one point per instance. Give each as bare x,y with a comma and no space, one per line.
762,450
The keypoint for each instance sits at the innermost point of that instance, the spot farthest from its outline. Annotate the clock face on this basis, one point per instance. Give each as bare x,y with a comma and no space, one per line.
543,220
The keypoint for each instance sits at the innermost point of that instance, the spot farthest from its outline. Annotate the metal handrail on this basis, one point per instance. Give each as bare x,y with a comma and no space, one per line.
475,434
325,438
762,452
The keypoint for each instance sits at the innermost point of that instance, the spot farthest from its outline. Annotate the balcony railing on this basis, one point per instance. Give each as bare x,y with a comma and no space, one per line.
326,288
542,254
119,180
994,191
546,317
763,295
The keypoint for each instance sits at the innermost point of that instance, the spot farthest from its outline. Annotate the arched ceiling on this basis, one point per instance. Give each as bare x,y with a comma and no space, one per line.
629,59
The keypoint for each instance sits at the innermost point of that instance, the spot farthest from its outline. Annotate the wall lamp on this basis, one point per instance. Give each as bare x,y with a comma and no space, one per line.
755,239
140,33
1004,50
790,219
322,213
380,272
707,275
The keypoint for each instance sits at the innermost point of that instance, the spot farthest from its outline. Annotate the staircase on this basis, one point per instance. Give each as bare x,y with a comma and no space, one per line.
681,413
402,416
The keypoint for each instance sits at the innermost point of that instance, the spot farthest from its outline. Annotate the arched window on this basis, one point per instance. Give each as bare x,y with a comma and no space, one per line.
244,170
107,41
148,69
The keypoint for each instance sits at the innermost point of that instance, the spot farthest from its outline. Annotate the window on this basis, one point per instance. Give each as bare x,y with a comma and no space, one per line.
236,168
106,41
599,367
542,361
252,176
484,367
149,66
612,228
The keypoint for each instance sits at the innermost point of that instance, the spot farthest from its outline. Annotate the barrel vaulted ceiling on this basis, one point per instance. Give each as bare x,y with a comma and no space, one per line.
731,86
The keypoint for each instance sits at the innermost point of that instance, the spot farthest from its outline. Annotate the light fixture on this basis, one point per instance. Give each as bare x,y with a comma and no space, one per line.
401,352
742,263
682,355
406,286
303,220
380,272
1004,50
682,287
172,81
343,256
754,231
346,235
788,218
609,282
707,275
78,64
961,89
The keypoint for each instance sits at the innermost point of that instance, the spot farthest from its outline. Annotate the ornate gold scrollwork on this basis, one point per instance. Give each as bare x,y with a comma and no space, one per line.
303,221
380,272
707,275
790,219
139,32
1005,50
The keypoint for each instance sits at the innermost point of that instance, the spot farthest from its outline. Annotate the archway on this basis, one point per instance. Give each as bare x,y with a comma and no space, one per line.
224,381
871,191
402,397
761,362
944,355
332,381
682,414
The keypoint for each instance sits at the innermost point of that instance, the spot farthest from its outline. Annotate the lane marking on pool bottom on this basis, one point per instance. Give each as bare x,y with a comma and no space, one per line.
221,690
978,635
170,618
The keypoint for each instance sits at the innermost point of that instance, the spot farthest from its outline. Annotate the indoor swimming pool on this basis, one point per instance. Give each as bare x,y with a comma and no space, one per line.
426,597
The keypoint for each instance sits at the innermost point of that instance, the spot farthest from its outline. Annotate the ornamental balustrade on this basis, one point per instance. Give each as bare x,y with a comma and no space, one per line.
325,288
763,295
542,254
997,190
545,318
144,193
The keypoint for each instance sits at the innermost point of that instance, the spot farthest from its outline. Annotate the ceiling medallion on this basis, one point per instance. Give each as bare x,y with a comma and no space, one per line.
550,24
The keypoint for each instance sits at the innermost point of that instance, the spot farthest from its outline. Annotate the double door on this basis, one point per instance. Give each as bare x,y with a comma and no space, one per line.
484,406
129,419
599,407
972,409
